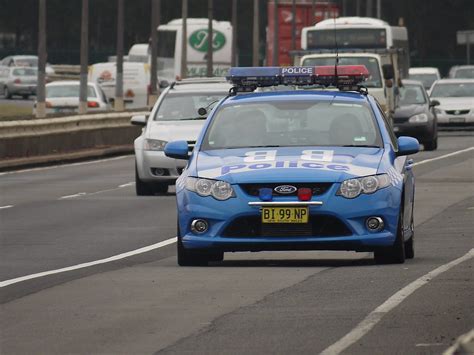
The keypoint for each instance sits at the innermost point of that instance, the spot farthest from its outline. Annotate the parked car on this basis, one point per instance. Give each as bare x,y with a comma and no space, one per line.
24,61
427,75
456,97
174,116
17,81
63,97
415,116
462,72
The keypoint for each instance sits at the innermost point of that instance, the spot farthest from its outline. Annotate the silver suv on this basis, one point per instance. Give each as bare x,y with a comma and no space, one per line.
179,114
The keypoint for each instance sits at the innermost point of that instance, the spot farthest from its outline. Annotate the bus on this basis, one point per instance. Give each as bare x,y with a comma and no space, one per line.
358,33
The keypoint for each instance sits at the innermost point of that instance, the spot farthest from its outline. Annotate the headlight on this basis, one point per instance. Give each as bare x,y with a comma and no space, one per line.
220,190
421,118
366,185
438,111
154,144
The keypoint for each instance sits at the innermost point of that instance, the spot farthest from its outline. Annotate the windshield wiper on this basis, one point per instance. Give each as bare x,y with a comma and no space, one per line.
193,118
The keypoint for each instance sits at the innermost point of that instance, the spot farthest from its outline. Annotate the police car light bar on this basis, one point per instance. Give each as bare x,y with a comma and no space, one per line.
245,78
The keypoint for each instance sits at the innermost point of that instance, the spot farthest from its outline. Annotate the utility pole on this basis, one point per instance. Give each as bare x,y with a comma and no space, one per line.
275,33
256,34
40,90
84,57
313,12
118,102
293,25
155,22
344,7
379,9
357,7
210,37
234,33
184,38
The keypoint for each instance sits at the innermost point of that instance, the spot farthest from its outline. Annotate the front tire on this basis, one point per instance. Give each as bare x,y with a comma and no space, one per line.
160,188
410,243
188,257
141,187
6,93
432,144
396,253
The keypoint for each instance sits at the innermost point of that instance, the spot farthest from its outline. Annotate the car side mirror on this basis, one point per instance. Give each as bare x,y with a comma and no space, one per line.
164,84
202,111
177,150
139,120
407,146
388,72
434,103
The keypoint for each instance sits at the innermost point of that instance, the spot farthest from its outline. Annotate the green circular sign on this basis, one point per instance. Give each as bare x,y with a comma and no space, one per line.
198,40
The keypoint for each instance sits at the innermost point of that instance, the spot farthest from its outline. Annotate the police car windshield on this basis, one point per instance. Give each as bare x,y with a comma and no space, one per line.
185,106
292,123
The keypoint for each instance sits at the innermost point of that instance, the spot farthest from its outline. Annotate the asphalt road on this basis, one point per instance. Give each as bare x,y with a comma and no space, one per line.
253,303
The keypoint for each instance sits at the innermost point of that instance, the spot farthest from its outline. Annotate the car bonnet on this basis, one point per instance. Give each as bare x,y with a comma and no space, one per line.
290,164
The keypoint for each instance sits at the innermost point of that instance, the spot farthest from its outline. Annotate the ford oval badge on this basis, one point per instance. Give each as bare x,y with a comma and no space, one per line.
285,189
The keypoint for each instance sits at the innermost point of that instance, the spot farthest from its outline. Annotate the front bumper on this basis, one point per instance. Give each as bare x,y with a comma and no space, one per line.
446,119
155,166
23,89
352,213
421,131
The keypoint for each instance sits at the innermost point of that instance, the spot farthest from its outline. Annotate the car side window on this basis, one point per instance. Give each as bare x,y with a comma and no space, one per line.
388,127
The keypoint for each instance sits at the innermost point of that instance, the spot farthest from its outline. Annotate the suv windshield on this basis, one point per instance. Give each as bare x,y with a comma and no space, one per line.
181,106
372,65
292,123
453,90
411,94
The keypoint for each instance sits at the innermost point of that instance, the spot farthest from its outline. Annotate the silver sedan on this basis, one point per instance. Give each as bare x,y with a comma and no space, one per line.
19,81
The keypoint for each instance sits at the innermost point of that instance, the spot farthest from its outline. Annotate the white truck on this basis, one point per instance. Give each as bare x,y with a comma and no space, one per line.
382,65
169,48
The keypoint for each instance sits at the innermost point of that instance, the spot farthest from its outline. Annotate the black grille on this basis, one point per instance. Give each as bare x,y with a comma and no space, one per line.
318,226
318,188
457,112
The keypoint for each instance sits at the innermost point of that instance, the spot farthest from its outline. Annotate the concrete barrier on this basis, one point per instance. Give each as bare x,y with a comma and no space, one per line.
53,136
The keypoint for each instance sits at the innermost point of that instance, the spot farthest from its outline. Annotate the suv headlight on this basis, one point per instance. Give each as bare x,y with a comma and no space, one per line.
365,185
220,190
154,144
420,118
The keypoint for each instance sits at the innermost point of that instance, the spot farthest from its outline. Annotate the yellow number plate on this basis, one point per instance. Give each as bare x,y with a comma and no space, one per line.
284,214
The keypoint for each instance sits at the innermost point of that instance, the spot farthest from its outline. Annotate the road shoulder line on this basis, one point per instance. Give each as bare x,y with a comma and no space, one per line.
377,314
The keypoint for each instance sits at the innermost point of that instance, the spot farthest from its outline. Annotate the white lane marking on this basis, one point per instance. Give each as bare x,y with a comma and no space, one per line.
127,184
73,196
377,314
443,156
421,345
82,194
64,165
91,263
5,207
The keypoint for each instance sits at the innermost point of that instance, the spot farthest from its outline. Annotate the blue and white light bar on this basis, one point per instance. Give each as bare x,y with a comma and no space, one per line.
252,77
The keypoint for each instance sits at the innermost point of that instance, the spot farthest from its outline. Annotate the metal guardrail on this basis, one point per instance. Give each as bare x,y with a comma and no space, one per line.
31,128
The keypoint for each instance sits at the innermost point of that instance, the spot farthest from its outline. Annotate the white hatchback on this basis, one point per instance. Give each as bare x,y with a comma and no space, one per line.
175,116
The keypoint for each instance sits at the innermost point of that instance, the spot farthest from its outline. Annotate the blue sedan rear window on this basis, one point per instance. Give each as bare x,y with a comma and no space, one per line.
292,123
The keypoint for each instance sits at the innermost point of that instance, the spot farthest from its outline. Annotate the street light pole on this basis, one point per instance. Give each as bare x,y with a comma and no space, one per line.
210,37
256,35
40,91
118,102
293,25
155,22
84,57
184,36
275,33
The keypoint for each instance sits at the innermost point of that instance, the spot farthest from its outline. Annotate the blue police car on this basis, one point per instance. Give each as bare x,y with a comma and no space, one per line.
296,170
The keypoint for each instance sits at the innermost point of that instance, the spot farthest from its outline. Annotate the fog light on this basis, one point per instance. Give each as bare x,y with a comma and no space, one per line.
374,224
199,226
158,171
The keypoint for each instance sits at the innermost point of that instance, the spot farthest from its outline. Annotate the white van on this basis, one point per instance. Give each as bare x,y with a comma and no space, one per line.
169,48
139,53
136,78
